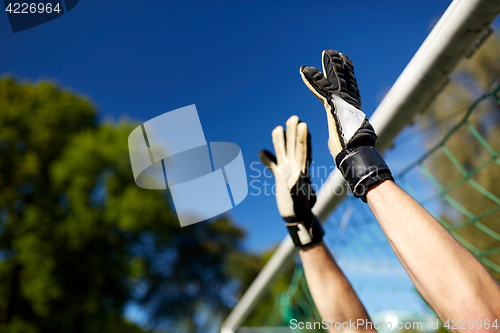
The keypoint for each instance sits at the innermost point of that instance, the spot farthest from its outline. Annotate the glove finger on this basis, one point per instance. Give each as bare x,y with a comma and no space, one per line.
339,71
301,149
332,68
303,157
291,134
268,159
352,84
279,145
316,82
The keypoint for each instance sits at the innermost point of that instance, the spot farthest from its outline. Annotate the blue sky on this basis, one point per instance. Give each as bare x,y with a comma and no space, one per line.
237,61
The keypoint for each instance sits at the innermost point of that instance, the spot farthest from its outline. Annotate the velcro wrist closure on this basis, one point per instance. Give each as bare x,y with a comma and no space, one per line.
363,168
305,231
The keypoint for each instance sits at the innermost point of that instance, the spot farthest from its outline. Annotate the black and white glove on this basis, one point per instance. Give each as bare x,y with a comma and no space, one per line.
351,137
294,194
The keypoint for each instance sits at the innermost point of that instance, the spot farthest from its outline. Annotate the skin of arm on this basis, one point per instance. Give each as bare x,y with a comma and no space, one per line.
333,295
447,276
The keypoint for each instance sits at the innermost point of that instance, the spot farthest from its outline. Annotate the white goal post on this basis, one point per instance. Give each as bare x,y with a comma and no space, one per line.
420,81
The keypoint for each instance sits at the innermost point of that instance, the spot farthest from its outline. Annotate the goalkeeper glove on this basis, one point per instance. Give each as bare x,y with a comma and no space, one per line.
294,194
351,137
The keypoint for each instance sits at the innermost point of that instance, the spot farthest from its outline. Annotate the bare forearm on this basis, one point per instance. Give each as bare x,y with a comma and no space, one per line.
332,293
451,280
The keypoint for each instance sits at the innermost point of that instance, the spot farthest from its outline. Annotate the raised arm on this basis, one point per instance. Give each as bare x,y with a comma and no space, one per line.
447,276
332,293
450,279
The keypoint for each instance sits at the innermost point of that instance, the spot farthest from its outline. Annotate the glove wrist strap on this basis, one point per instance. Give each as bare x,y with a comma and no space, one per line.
362,168
304,231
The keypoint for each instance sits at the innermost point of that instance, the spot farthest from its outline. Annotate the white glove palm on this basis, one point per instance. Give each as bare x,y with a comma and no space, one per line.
294,194
289,165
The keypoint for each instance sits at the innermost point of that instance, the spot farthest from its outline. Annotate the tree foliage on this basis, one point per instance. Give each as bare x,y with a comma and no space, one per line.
79,240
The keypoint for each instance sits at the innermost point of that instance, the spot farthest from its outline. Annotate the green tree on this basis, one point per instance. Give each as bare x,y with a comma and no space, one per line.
472,78
79,240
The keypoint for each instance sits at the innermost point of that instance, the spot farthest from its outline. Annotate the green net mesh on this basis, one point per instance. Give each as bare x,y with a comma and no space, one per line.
485,247
459,190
